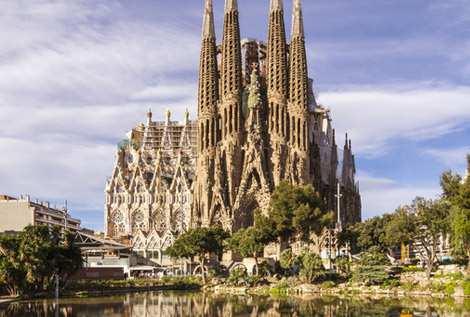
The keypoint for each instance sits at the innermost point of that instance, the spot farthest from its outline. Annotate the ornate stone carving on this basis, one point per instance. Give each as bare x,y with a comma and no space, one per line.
258,124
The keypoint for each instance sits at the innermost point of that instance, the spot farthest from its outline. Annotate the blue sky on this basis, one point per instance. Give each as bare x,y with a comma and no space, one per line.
76,75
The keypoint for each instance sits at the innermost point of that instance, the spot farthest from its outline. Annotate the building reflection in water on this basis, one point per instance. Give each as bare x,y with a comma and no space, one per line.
157,304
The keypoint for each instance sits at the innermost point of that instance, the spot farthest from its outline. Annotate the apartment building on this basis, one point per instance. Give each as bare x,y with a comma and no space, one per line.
18,213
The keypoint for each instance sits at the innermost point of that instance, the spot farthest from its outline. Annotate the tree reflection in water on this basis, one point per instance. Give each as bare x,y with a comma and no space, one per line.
168,304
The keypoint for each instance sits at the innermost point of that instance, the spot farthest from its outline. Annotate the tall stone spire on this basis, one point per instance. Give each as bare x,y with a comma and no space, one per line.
298,61
277,77
347,173
208,96
297,20
276,5
208,29
231,68
230,108
298,107
231,5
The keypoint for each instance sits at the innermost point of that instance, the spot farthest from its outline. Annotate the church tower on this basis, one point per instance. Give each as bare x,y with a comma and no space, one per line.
277,85
298,107
230,107
208,96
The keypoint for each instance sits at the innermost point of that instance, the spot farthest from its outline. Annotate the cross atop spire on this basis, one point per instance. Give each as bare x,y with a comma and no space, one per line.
297,20
231,5
208,29
276,5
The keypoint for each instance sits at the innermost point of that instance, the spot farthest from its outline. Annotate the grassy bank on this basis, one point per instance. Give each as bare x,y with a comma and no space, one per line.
450,285
107,287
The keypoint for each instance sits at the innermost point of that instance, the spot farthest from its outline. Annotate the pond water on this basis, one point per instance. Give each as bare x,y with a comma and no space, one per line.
172,304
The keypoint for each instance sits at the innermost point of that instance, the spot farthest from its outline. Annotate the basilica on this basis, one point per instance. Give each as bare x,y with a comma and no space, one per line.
258,125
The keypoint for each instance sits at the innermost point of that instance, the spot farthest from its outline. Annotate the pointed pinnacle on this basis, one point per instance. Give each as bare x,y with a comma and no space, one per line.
297,19
231,5
208,29
276,5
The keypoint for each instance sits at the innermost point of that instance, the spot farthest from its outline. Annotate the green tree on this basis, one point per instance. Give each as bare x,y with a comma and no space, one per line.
297,211
450,185
457,194
423,223
29,261
432,222
460,232
460,219
247,243
371,268
199,242
12,273
400,228
264,227
370,233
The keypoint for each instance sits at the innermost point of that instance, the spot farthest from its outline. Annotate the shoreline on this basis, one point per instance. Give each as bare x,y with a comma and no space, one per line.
68,294
312,290
267,291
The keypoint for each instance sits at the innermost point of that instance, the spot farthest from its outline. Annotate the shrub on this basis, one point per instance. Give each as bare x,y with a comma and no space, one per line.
466,287
390,283
343,266
370,275
289,262
371,269
280,288
264,269
311,269
449,288
238,277
412,268
328,284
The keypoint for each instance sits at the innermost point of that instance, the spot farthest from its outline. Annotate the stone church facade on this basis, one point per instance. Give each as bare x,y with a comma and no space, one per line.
258,125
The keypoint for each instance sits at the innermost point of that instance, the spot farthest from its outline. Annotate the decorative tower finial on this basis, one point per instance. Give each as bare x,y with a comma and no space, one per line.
168,116
208,29
276,5
149,116
297,20
186,117
231,5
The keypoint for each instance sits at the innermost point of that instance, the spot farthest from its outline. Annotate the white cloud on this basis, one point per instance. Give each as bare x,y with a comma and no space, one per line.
451,158
377,116
62,51
56,170
74,80
166,91
379,201
383,195
368,181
